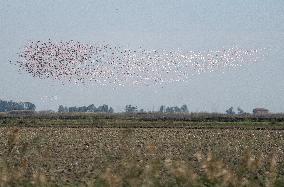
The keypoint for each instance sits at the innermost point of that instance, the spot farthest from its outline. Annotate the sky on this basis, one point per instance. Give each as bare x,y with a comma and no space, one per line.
152,24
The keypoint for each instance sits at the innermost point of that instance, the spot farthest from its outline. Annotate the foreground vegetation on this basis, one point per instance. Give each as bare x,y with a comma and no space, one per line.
99,150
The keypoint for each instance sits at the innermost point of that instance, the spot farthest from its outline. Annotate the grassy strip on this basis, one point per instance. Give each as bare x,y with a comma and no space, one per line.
134,123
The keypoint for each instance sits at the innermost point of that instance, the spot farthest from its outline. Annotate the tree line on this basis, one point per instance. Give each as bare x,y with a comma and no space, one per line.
173,109
128,109
231,111
91,108
163,109
7,106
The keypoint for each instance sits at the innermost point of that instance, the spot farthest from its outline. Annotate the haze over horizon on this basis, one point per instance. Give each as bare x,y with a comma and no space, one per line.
187,25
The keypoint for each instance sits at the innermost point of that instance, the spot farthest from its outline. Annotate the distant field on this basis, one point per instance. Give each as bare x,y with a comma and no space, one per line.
144,120
98,150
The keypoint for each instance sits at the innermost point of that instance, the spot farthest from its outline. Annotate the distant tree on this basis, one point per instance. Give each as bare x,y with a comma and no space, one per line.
230,111
110,110
105,108
130,109
162,109
6,106
91,108
184,108
61,109
3,106
82,109
99,109
29,106
141,110
73,109
176,109
240,111
170,110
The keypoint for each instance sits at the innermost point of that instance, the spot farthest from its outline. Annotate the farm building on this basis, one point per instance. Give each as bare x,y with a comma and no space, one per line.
260,111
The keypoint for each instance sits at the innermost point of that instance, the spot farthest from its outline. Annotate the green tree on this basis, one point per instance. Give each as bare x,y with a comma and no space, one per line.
184,108
130,109
162,109
240,111
230,111
61,109
110,110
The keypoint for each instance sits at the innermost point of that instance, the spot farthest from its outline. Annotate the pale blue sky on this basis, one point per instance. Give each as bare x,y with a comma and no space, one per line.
187,24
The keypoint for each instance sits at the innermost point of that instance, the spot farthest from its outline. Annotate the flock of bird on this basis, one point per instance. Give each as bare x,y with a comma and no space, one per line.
101,63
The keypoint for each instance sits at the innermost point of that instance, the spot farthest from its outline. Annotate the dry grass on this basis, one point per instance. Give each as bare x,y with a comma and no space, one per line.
45,156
